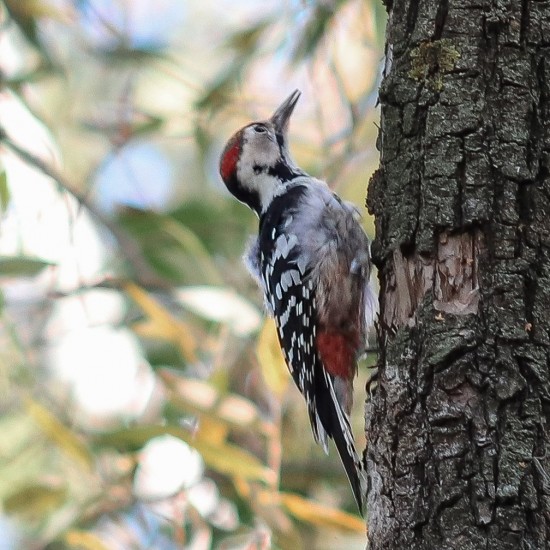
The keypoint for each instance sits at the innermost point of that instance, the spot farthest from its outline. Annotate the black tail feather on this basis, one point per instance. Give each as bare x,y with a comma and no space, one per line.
336,424
350,460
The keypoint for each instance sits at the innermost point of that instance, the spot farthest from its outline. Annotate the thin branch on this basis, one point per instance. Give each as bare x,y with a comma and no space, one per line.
129,247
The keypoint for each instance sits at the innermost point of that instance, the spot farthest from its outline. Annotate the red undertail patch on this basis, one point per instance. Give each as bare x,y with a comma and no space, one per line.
337,352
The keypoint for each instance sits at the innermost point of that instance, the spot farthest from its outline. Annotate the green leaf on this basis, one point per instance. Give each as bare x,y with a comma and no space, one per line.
203,141
175,251
246,41
22,266
192,245
35,501
245,45
220,91
222,226
123,54
316,28
161,323
148,125
4,191
24,457
59,434
26,13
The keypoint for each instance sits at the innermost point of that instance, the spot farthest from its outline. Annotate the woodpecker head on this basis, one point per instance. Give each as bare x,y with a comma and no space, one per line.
256,163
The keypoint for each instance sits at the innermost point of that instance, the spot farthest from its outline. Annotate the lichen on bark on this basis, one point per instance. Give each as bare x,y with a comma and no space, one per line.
430,60
458,428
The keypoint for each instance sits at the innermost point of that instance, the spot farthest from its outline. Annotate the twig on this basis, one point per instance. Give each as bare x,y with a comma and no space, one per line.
128,246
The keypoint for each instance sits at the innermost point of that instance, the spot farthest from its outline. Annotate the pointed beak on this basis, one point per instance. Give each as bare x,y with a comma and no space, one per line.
281,116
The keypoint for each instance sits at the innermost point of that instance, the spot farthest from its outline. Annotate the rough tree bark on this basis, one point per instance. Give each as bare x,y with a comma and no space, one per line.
458,427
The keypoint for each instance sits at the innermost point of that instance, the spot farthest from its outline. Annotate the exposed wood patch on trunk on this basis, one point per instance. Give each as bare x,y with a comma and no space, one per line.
452,277
456,288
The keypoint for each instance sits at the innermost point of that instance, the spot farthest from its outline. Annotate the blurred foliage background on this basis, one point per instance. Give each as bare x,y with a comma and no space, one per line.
144,402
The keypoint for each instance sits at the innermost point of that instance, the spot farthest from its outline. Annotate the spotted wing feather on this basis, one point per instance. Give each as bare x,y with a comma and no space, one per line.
290,291
290,296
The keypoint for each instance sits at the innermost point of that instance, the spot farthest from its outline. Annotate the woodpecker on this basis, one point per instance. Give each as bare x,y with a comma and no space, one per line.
311,260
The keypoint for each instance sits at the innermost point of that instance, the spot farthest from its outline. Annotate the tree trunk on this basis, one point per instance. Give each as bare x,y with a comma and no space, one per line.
458,426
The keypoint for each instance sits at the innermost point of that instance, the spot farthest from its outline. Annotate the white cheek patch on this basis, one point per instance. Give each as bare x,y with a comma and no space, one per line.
259,150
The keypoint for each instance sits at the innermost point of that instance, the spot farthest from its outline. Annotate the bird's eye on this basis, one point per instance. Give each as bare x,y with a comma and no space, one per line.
259,129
